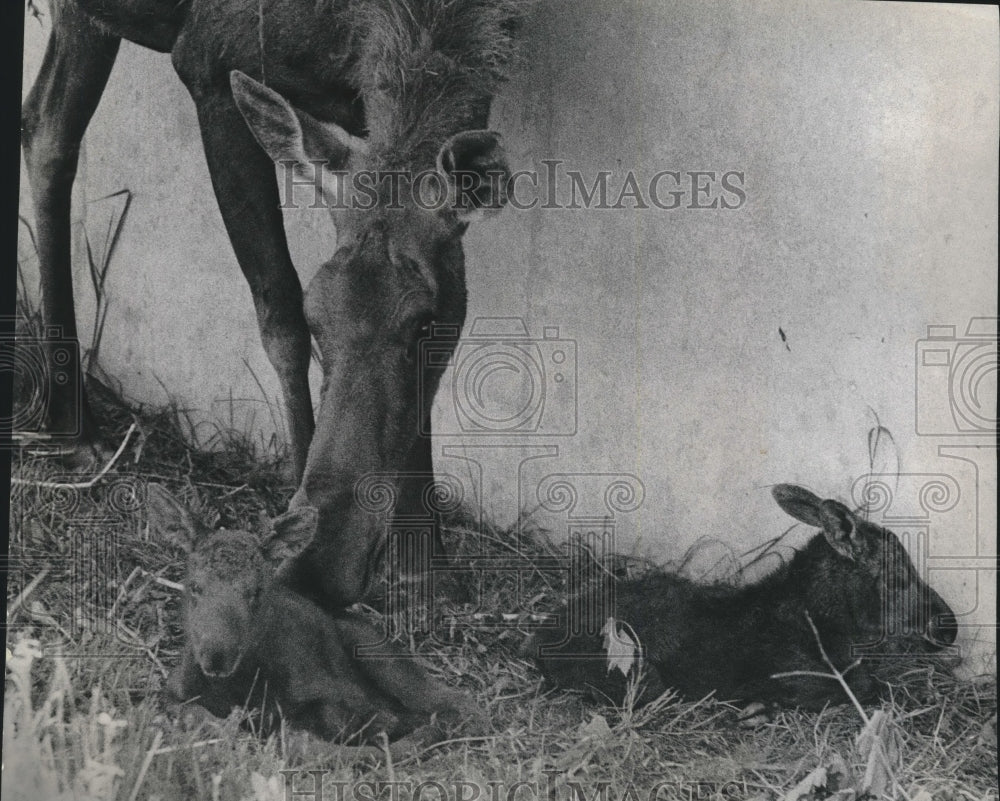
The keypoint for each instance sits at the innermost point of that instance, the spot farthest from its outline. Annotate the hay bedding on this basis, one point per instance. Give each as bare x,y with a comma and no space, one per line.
93,614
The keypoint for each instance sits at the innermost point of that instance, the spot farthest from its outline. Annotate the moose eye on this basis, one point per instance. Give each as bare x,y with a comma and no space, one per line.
404,262
420,329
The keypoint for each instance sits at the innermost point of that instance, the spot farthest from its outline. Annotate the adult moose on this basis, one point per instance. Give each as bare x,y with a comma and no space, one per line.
414,79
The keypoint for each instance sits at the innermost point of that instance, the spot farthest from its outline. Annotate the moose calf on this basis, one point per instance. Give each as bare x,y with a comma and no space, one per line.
251,642
855,581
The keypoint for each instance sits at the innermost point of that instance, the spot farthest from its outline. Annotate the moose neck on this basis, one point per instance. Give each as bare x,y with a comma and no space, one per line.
792,581
427,72
815,580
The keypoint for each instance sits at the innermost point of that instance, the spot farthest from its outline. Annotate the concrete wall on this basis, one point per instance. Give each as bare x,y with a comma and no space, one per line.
866,136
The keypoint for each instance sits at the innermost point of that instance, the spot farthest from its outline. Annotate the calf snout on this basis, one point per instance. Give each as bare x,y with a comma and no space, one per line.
219,643
218,661
943,628
219,629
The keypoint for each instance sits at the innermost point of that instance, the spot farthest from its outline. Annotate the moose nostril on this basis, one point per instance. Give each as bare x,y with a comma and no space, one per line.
217,662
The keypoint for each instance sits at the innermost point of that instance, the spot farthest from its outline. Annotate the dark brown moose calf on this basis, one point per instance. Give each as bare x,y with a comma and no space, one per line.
855,581
252,642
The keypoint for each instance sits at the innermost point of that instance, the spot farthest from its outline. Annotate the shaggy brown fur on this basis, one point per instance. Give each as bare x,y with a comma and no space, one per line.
427,69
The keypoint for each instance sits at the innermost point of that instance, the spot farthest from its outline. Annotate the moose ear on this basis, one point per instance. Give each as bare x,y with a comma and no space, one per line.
839,527
474,165
800,503
836,520
171,519
287,134
291,533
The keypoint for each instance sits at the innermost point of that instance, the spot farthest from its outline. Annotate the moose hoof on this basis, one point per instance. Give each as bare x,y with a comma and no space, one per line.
78,458
289,473
754,715
301,746
190,717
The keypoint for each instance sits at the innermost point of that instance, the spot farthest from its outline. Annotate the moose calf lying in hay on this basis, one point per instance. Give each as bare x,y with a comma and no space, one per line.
854,583
251,642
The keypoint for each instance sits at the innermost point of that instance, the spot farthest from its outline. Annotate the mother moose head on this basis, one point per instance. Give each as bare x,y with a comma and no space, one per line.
401,200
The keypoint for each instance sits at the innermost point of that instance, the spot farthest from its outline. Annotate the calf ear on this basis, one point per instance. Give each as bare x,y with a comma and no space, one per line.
840,528
800,503
290,534
290,135
836,520
474,166
171,519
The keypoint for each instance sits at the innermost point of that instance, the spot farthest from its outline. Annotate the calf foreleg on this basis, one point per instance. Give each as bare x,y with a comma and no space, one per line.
398,675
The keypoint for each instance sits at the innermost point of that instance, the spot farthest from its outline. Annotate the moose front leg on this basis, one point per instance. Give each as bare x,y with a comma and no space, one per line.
185,680
247,192
189,696
416,489
417,498
77,63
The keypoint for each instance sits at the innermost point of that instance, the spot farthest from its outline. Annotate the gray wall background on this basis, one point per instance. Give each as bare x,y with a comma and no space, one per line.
867,134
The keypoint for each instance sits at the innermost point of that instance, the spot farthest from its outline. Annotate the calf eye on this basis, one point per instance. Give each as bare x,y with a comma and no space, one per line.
404,262
420,330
